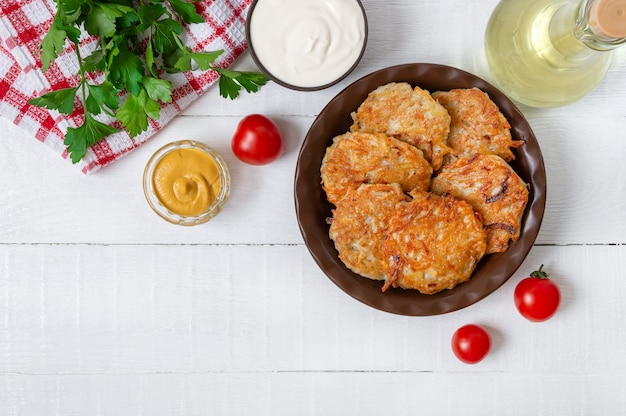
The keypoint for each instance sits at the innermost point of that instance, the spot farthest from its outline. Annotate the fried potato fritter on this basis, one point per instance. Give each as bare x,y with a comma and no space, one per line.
409,114
493,189
359,224
433,243
449,151
477,125
355,158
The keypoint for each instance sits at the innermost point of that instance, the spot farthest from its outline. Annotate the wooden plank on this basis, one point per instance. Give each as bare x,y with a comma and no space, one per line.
580,208
133,309
313,393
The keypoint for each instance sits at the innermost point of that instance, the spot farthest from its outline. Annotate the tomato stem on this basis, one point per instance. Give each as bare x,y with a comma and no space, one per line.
540,274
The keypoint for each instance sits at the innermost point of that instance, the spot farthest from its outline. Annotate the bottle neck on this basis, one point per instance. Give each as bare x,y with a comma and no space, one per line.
601,24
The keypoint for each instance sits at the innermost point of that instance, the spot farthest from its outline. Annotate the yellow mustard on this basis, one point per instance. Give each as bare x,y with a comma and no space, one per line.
186,181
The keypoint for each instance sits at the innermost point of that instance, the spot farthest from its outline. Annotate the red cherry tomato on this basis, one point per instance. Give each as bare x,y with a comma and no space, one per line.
471,343
537,297
257,140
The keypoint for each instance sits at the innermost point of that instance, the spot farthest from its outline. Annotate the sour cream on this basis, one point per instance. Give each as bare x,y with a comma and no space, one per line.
307,43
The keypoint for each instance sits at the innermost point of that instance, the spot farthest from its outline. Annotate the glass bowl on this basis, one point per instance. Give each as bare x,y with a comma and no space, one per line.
170,172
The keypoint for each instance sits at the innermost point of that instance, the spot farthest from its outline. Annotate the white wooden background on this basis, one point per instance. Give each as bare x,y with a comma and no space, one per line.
106,309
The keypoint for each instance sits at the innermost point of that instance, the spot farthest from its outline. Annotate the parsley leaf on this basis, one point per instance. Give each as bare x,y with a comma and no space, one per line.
158,89
53,42
251,81
61,100
164,31
231,82
100,20
125,69
95,62
90,132
71,10
135,111
205,59
104,93
165,36
186,11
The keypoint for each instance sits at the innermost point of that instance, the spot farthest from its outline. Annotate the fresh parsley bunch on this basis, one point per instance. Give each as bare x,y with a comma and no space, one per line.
129,70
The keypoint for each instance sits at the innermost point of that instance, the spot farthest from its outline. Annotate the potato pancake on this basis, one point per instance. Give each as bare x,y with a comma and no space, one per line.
355,158
493,189
433,243
409,114
477,125
359,224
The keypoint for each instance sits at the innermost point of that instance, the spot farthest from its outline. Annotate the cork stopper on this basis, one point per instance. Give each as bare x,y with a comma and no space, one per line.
607,18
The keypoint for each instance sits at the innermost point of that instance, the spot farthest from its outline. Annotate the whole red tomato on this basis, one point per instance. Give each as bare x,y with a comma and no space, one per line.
537,297
257,140
471,343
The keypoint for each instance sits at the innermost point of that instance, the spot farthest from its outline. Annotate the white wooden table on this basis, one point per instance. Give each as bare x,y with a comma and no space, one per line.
106,309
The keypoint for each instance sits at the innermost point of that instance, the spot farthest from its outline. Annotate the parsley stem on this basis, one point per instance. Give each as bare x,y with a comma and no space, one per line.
83,78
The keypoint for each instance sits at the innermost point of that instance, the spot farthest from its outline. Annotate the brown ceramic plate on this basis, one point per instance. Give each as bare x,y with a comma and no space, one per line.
312,208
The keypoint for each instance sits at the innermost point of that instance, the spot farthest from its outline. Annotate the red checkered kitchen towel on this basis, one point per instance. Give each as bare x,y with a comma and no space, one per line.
24,23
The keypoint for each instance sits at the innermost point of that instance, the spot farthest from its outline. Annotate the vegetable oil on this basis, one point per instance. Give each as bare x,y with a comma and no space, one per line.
549,53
